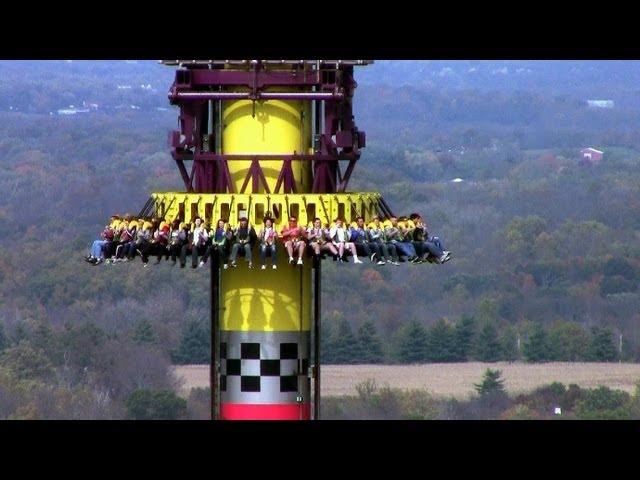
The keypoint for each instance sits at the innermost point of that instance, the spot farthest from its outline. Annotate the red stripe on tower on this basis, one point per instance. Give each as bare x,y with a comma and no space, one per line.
246,411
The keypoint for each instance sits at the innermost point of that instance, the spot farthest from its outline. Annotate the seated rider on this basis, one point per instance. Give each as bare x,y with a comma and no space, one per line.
244,237
110,253
428,249
294,239
96,256
267,238
319,240
197,245
218,243
185,243
339,236
395,235
127,235
364,246
143,236
158,245
377,235
177,238
109,249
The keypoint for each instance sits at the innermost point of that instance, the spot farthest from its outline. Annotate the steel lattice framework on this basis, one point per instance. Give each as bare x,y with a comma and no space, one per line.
201,86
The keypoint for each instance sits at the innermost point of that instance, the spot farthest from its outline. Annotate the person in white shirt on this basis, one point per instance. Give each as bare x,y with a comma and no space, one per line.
318,239
267,238
340,239
198,242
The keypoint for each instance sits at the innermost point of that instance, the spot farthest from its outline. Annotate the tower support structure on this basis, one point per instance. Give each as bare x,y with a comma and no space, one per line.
264,138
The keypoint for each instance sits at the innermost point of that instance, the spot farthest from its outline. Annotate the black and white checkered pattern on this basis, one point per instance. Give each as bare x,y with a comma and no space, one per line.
253,370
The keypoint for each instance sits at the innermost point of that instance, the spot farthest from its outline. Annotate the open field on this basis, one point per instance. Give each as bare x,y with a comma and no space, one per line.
453,379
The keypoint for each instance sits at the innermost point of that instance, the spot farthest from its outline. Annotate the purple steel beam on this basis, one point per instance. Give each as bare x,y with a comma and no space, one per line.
208,156
211,175
318,178
183,171
193,171
224,181
328,147
228,180
323,181
347,175
262,177
201,176
210,171
286,176
347,113
176,96
231,77
246,181
243,63
255,173
325,169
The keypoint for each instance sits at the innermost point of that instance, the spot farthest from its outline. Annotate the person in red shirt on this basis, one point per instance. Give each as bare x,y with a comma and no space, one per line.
294,239
158,246
99,247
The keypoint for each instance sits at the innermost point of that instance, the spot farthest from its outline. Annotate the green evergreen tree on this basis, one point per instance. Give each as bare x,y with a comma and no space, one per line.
344,344
155,405
536,348
491,384
464,334
143,332
412,343
568,342
195,344
370,346
488,348
509,344
602,347
441,342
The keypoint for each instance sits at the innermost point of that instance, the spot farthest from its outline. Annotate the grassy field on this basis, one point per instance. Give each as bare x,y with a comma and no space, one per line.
452,379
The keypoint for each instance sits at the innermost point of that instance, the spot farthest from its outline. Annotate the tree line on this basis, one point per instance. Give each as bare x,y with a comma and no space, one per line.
467,340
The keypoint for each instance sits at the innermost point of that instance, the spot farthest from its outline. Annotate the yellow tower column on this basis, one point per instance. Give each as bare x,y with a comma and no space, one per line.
266,314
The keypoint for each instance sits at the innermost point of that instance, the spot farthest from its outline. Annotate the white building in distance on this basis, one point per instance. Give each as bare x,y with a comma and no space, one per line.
600,103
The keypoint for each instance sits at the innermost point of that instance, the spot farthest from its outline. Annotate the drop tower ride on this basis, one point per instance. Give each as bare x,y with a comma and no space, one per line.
256,138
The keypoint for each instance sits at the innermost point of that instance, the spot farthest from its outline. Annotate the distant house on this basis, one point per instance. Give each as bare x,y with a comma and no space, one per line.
600,103
72,111
591,155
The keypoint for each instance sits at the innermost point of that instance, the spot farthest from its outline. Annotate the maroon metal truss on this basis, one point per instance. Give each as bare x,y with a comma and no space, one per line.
199,82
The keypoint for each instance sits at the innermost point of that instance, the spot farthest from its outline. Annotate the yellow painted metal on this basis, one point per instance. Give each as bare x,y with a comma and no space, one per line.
307,206
267,127
267,300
